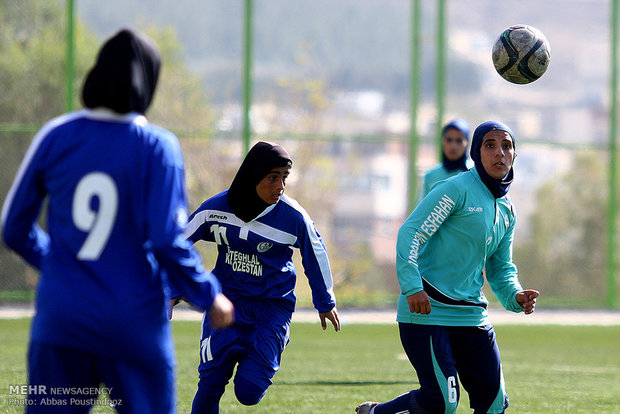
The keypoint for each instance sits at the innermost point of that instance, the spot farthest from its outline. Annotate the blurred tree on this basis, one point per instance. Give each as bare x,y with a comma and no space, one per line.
32,63
32,79
565,256
32,60
180,102
316,179
181,105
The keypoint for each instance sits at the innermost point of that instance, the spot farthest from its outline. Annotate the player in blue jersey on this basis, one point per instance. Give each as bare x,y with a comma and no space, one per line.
463,225
255,227
454,159
116,214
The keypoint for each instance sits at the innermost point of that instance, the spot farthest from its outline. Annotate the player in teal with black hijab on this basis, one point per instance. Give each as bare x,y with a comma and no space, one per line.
464,225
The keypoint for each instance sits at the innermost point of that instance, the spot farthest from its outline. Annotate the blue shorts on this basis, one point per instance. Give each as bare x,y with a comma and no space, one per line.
64,380
254,344
439,353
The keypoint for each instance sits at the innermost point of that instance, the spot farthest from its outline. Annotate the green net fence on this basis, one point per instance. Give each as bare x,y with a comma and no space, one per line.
331,84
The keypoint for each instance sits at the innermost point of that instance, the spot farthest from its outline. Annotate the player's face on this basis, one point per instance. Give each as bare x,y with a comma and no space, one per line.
454,144
497,153
271,187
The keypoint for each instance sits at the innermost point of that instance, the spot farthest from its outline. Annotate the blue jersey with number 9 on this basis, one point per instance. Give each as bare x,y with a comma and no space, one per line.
114,241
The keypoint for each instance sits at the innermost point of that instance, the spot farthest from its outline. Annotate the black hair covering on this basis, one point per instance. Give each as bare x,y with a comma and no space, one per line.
261,159
459,164
125,74
500,187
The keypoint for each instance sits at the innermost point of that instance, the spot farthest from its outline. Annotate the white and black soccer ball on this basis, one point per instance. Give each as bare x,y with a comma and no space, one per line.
521,54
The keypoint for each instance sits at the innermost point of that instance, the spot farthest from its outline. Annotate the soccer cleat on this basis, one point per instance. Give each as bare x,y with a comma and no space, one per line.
364,408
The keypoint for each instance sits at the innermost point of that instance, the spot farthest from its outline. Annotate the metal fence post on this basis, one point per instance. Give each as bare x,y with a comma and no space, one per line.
247,74
70,56
612,210
441,69
414,97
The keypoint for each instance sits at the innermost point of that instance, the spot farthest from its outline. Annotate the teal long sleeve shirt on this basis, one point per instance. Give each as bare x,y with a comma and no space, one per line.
434,175
455,232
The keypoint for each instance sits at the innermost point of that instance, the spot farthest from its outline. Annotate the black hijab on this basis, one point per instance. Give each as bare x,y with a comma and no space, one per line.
500,187
261,159
459,164
125,74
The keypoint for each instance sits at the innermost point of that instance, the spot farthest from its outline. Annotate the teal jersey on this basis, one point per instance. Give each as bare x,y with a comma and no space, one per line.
436,174
457,230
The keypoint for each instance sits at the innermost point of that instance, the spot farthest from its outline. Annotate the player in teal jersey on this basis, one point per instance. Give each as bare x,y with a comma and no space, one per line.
464,225
454,159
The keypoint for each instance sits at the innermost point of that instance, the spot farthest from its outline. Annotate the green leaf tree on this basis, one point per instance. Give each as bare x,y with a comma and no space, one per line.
32,79
565,255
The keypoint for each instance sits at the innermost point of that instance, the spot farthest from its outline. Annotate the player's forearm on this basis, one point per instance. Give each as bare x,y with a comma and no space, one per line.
323,297
505,285
187,276
31,244
324,303
407,271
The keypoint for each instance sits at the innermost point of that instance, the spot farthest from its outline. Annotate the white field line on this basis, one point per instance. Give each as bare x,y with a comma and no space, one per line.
498,316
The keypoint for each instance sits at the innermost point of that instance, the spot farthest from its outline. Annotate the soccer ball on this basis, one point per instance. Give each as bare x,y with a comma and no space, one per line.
521,54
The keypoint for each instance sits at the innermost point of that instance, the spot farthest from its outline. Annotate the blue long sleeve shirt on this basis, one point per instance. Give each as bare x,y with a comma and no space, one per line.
114,241
255,258
436,174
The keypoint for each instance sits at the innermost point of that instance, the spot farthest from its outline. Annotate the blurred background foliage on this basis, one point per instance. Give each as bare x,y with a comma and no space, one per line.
561,250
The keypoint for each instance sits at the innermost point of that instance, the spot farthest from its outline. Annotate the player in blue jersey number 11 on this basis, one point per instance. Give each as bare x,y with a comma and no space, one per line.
255,227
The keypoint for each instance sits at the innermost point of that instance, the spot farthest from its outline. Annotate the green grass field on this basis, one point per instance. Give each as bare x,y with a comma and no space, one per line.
548,369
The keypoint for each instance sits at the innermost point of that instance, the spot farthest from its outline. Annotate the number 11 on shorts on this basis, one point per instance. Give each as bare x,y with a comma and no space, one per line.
205,350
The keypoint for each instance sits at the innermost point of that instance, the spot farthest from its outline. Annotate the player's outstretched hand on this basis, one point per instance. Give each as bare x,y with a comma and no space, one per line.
332,315
419,303
527,300
222,312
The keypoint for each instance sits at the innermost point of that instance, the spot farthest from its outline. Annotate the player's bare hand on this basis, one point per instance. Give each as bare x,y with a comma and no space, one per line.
222,312
332,315
419,303
527,300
